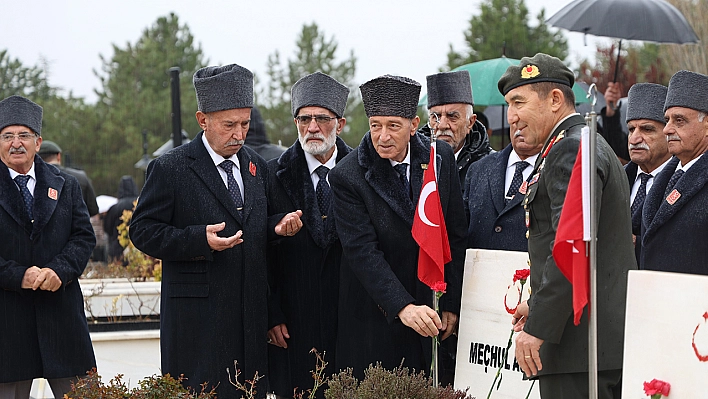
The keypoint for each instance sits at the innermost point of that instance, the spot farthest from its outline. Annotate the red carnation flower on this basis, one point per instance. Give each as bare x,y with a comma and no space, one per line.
657,388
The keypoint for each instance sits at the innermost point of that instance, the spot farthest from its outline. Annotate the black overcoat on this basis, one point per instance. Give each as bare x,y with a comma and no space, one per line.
42,333
492,223
213,305
565,349
304,274
374,218
674,235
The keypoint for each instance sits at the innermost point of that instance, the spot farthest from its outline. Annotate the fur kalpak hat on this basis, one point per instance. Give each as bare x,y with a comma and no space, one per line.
539,68
390,95
449,88
17,110
689,90
319,90
223,87
646,101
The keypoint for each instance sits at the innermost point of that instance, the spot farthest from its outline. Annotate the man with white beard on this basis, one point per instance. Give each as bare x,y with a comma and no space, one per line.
304,269
450,99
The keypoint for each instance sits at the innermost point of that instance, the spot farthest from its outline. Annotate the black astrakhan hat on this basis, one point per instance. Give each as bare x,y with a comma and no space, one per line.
223,87
319,90
539,68
17,110
390,95
646,101
688,89
449,88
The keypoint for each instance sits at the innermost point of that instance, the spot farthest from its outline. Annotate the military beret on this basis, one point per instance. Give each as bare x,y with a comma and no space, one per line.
223,87
319,90
449,88
646,101
689,90
17,110
539,68
48,148
390,95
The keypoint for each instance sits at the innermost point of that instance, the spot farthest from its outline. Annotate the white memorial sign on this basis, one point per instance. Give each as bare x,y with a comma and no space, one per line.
666,333
488,291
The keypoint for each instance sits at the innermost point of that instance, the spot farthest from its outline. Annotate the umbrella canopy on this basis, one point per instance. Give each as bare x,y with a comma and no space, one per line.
484,76
647,20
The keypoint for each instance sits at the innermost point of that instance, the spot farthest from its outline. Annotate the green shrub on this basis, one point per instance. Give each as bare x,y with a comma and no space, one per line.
153,387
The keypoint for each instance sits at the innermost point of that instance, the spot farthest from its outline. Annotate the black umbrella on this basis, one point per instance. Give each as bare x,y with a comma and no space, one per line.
647,20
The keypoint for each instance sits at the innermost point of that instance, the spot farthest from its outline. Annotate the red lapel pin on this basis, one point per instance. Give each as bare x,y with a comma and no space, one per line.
673,197
53,194
252,168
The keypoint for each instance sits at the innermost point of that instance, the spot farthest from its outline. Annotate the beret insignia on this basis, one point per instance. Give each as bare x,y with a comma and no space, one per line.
529,71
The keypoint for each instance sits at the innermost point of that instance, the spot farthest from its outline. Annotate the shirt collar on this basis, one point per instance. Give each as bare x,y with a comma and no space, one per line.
216,158
313,163
31,173
514,158
689,164
407,159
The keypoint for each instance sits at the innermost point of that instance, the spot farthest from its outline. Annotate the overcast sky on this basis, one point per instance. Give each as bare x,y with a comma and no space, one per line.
408,38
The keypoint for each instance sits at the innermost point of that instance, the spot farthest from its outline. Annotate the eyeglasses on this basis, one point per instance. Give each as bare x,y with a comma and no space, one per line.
305,120
26,137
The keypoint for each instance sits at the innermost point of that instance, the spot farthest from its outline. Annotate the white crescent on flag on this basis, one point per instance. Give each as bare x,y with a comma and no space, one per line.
428,189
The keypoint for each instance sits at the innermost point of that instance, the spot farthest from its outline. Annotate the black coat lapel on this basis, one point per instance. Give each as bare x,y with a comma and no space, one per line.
631,169
656,195
249,176
384,180
689,184
11,200
204,167
497,179
46,193
294,175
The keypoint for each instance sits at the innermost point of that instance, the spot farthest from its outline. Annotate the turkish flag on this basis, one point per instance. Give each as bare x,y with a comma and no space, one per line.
429,229
569,250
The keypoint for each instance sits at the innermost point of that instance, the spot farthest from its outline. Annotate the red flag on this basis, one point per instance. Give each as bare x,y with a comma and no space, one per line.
573,227
429,229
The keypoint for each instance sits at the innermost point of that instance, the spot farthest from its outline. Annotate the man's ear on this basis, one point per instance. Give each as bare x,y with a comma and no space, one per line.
201,119
414,124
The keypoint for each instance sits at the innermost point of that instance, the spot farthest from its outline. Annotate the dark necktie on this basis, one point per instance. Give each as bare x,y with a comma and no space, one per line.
228,167
516,180
402,169
21,181
672,182
324,193
641,192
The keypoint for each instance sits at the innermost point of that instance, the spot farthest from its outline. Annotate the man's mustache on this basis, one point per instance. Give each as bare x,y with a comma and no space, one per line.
640,146
20,150
235,142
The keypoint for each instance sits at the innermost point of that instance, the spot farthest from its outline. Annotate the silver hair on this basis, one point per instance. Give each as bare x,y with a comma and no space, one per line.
701,116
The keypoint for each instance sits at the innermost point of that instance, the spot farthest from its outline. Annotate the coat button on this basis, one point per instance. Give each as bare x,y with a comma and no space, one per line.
498,229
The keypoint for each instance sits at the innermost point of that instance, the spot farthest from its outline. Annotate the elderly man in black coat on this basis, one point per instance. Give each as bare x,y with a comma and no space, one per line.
385,311
203,211
647,147
47,240
674,220
304,269
549,345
